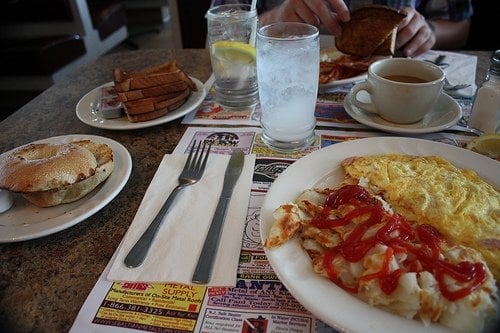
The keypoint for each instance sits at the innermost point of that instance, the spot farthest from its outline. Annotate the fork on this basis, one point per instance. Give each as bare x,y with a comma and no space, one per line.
448,86
439,61
191,173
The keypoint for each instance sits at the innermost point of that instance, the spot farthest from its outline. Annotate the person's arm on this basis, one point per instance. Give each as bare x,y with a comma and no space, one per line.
417,35
451,35
321,13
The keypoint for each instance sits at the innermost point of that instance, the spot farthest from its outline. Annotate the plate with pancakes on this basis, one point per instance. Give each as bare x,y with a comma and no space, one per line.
325,168
45,211
87,110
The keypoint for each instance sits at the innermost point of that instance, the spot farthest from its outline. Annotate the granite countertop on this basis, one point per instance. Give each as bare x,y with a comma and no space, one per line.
44,282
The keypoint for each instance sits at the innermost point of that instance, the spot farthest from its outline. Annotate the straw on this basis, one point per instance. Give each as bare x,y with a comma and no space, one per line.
253,7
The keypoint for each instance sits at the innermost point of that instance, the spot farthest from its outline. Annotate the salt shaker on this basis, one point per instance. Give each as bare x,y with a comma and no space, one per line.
486,108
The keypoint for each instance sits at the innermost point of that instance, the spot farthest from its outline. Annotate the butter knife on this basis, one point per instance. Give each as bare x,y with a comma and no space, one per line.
206,260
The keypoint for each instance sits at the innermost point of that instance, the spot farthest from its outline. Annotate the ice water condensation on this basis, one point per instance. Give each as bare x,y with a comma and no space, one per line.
288,85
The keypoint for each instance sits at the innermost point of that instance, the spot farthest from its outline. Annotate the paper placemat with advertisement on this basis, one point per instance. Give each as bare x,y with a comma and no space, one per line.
258,298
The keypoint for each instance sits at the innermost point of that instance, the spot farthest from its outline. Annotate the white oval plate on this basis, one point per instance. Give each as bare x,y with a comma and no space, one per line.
24,221
87,113
446,113
292,265
337,83
333,53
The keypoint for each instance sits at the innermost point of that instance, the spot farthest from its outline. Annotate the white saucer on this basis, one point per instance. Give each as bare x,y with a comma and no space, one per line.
446,113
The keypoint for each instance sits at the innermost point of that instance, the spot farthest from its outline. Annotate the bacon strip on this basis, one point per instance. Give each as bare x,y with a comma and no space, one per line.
342,67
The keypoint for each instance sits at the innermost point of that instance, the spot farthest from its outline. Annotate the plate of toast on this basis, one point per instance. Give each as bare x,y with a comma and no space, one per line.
138,99
370,35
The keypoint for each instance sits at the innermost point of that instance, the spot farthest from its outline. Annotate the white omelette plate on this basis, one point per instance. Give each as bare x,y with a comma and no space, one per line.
24,221
320,296
446,113
87,113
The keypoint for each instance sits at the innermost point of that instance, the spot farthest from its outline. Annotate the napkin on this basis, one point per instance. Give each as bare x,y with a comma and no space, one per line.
175,250
462,68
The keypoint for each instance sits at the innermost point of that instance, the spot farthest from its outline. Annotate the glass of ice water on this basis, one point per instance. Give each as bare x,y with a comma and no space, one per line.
231,30
288,73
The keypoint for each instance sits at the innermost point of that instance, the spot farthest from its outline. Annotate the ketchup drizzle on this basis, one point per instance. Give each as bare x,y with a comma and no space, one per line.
420,244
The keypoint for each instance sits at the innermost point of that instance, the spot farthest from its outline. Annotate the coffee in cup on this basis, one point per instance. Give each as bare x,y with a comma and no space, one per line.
405,78
401,90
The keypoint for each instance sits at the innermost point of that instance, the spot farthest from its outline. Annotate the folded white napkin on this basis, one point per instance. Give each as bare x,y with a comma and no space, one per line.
177,246
462,68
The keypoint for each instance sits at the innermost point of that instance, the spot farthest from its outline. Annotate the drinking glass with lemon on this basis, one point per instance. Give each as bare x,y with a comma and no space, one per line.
231,34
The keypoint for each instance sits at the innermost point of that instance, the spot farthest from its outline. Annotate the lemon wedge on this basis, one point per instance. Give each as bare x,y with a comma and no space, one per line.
487,144
235,52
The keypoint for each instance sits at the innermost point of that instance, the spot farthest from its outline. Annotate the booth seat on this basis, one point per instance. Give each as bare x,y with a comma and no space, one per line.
42,41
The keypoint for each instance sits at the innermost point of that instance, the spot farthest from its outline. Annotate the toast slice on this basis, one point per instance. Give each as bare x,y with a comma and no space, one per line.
153,92
154,76
388,46
371,30
155,103
155,114
168,66
152,80
163,89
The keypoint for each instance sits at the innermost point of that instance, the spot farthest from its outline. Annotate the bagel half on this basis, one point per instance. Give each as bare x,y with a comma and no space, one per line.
42,166
44,186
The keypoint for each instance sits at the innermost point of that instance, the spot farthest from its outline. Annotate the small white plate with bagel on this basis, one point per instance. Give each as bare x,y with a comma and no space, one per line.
86,110
25,221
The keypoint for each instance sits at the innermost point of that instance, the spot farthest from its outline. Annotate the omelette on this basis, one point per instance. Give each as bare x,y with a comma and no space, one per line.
430,190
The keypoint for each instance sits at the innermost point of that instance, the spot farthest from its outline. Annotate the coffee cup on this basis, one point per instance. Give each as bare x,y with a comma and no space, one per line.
401,90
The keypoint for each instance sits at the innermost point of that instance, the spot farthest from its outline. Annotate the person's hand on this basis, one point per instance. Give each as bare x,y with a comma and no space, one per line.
415,35
321,13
